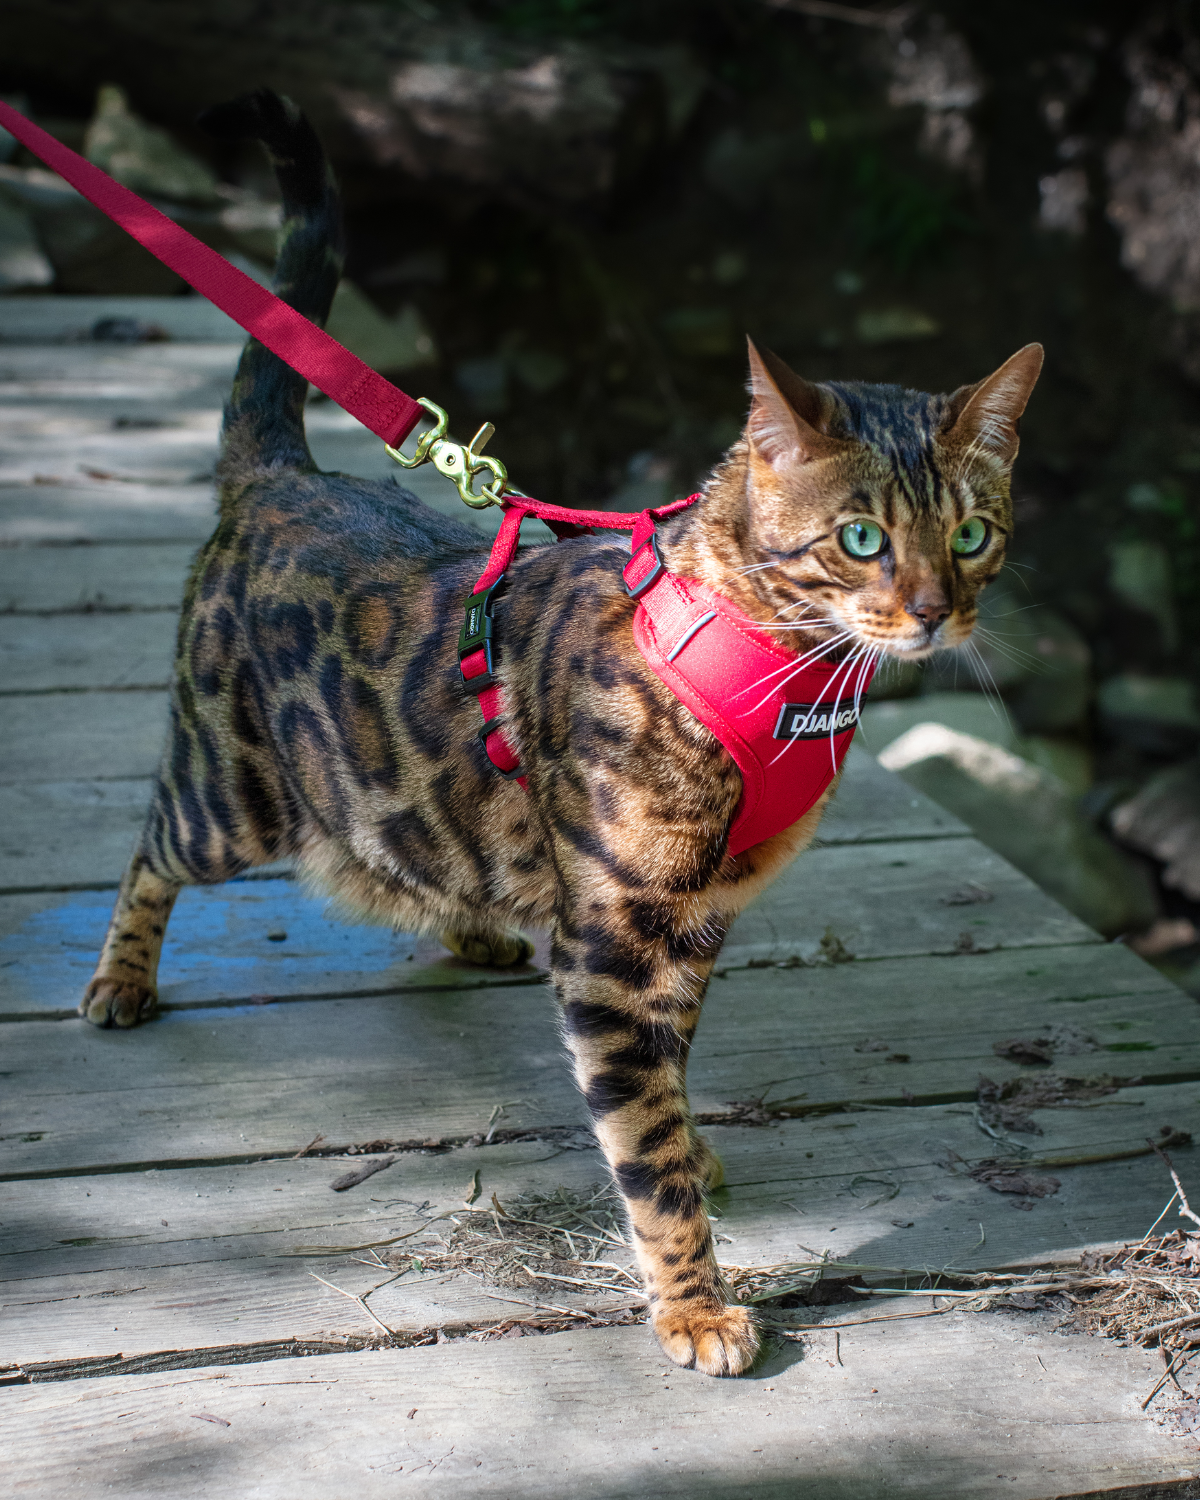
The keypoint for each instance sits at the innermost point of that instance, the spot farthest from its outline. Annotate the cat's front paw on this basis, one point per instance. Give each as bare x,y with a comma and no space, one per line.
717,1340
113,1002
493,952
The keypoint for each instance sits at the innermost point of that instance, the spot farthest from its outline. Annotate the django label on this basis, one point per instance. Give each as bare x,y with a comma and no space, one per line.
814,721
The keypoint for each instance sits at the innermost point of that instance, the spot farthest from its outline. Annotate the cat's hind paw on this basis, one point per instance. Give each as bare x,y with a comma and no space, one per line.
715,1340
712,1169
113,1002
502,951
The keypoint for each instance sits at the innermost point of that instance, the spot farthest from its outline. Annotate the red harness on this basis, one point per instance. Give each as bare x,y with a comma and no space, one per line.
787,721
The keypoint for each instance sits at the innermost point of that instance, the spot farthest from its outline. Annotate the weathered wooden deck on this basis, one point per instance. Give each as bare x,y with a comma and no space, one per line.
156,1334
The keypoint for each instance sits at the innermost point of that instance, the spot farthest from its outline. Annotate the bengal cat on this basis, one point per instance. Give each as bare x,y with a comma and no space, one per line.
317,713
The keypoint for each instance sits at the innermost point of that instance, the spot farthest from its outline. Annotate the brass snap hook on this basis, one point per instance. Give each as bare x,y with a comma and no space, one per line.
460,464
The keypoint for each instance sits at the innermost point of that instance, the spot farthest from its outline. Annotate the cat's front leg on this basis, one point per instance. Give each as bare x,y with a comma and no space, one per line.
630,1043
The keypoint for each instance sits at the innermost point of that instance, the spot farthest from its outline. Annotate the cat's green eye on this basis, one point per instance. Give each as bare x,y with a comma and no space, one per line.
863,539
971,537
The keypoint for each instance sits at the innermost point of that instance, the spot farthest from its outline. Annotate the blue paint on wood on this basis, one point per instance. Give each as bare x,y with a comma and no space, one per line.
216,947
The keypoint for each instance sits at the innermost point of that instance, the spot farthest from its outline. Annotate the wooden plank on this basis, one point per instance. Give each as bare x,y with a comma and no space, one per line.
872,804
246,1080
77,835
35,378
425,1063
98,397
118,576
902,897
946,1408
65,441
73,508
807,1039
218,949
81,736
92,511
201,1257
64,835
218,1270
50,319
86,652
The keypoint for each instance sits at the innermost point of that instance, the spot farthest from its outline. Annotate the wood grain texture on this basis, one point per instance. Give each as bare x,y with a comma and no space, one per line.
86,653
886,899
52,319
239,1080
80,736
77,834
932,1408
55,510
199,1257
217,945
873,806
63,835
220,949
94,578
941,1408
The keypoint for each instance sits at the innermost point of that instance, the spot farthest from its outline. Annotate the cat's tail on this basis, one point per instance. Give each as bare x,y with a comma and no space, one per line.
264,417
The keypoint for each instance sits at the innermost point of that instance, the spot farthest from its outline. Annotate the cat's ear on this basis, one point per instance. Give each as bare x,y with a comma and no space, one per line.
785,421
984,416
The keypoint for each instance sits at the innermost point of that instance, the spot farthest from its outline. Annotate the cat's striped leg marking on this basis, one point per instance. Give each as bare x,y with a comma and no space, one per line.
630,1045
124,988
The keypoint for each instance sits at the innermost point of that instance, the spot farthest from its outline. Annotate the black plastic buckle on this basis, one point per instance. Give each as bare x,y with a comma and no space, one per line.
655,573
476,635
490,728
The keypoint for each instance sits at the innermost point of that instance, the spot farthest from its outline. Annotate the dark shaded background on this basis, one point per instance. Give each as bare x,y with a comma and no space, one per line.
590,202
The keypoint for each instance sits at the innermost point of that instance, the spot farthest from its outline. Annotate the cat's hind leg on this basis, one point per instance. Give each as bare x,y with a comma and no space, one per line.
199,830
124,989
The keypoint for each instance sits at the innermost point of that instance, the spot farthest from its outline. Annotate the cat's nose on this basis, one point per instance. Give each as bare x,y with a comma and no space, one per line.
930,612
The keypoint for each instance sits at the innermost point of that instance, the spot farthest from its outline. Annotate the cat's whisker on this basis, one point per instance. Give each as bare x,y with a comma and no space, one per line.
749,568
844,675
793,669
1020,610
833,716
997,635
795,672
1015,654
802,603
792,666
991,691
832,721
863,676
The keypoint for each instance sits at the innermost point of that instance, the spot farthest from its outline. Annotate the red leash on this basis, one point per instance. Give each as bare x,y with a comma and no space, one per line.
716,660
381,407
377,403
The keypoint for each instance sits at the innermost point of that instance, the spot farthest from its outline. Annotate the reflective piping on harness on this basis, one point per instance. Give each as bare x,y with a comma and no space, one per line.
689,633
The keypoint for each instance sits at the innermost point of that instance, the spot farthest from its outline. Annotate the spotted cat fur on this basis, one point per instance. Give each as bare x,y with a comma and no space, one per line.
317,714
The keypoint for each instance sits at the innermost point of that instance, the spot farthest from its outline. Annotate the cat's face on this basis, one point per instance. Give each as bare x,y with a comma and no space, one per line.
878,514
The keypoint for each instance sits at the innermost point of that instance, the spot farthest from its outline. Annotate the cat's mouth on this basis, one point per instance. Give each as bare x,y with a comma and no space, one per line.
920,642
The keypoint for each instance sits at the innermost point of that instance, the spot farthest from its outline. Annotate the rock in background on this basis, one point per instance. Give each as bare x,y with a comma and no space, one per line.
1028,814
565,214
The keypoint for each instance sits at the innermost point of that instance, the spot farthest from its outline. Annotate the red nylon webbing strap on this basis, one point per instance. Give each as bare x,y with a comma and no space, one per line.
504,547
748,690
477,665
379,405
